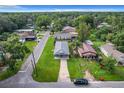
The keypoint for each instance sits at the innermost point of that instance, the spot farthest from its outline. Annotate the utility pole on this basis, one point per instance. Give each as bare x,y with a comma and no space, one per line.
34,63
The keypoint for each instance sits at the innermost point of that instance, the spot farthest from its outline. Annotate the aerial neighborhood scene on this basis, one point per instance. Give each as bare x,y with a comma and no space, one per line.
54,49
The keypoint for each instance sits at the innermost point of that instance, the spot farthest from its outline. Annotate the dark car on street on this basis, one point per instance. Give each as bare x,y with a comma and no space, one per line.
80,82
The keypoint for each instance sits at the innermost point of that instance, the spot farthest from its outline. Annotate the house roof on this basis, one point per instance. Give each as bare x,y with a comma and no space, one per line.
103,24
87,50
61,47
26,34
111,51
24,30
68,29
89,42
62,36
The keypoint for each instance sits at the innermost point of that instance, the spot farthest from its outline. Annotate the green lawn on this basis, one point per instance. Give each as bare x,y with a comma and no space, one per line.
30,44
47,66
77,66
8,73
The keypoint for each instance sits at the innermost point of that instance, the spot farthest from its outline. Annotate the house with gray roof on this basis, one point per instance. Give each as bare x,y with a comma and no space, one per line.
109,50
62,36
61,50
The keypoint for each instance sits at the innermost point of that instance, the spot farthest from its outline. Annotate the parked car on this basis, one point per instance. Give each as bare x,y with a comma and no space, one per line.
80,82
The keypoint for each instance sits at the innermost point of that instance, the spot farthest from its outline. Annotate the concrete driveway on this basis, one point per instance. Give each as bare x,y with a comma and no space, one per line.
63,73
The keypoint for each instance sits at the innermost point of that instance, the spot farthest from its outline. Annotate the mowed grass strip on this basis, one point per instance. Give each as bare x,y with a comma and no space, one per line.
47,66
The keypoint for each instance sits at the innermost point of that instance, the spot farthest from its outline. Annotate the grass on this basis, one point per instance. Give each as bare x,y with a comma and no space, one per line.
77,66
30,44
8,73
47,66
77,71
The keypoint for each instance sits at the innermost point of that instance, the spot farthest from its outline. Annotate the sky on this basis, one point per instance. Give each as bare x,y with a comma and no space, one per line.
60,8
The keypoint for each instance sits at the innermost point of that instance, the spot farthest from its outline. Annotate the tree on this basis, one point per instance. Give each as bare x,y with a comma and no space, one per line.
43,20
6,24
102,33
108,64
118,40
83,32
84,19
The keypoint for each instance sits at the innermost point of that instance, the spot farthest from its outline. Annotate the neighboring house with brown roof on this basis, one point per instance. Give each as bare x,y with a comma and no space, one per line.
109,50
70,30
87,51
26,34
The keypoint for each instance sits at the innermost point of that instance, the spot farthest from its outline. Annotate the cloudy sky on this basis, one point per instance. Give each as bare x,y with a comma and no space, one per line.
59,8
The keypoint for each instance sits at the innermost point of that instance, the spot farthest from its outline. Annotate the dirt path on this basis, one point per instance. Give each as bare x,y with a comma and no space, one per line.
89,76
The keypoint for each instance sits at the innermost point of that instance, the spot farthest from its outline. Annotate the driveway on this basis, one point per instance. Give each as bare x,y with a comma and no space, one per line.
63,73
89,76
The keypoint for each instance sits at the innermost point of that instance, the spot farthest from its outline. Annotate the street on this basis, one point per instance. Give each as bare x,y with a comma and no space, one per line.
23,79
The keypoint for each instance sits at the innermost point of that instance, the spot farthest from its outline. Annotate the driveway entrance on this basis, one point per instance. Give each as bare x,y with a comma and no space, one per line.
63,73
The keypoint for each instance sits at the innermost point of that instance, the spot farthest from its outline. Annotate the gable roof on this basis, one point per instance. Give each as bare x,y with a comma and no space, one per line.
86,50
63,36
111,51
24,30
61,47
68,29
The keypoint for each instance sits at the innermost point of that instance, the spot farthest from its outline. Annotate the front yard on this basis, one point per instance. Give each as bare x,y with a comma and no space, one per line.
77,67
47,66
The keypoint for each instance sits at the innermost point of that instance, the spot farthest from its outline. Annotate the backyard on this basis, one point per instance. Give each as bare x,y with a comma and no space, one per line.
47,66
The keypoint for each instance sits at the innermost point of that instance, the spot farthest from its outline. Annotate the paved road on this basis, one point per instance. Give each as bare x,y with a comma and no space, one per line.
24,75
63,73
23,78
